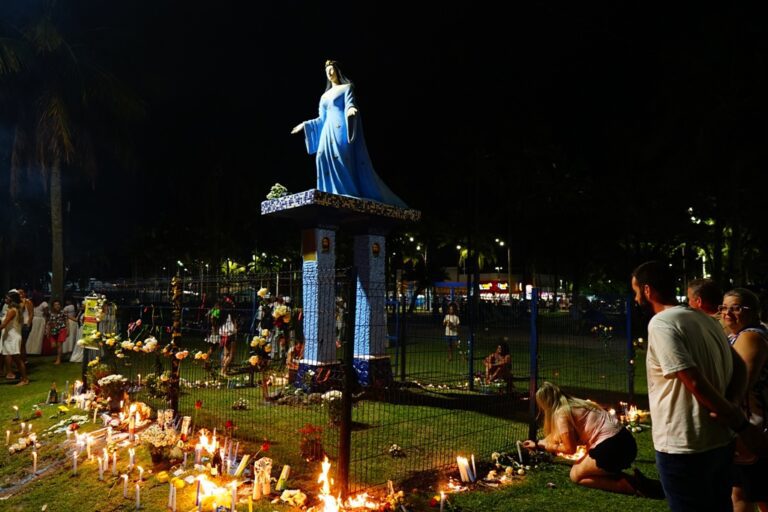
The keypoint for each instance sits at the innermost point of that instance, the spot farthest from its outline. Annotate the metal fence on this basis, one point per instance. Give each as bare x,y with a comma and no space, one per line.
437,405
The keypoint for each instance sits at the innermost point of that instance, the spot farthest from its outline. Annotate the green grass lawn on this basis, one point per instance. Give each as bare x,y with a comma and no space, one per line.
430,437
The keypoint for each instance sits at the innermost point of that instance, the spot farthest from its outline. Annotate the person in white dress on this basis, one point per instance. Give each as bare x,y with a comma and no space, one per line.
72,335
35,340
10,338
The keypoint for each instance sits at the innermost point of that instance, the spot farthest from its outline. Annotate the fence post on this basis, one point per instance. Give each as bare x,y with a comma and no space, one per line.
630,353
401,335
533,384
350,380
173,383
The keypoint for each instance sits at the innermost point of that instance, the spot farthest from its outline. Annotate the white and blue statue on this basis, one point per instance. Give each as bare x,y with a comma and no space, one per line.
336,136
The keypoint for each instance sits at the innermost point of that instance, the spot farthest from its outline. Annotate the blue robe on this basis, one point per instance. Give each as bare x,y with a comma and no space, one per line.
343,164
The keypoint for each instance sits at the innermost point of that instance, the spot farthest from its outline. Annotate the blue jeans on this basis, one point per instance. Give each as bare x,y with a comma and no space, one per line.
697,481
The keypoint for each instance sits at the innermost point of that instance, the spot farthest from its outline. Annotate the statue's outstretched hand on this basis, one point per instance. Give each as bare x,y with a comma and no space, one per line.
351,112
296,129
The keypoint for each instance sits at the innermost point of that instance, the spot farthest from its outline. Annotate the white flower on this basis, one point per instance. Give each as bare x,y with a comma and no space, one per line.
333,394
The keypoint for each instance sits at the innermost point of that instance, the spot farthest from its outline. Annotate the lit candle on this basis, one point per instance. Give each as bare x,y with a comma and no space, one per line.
95,412
121,405
234,497
88,446
138,496
34,462
29,428
215,507
16,413
519,453
141,473
114,463
474,470
131,454
22,428
442,501
106,458
256,493
125,485
8,437
74,463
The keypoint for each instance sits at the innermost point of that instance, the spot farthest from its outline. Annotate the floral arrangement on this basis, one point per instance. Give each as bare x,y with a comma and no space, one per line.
332,400
311,442
112,385
277,191
241,404
158,437
157,385
94,340
261,350
97,370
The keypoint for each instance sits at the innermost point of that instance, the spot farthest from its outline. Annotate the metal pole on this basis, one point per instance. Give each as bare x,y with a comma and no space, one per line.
533,384
401,335
350,378
630,353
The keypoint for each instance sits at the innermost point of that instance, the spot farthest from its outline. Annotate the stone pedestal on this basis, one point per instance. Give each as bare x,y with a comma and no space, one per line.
320,214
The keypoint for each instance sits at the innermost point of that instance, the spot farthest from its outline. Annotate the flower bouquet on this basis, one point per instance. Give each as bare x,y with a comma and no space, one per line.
159,441
332,400
112,388
311,442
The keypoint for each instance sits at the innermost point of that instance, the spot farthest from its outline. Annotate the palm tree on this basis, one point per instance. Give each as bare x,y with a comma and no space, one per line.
65,109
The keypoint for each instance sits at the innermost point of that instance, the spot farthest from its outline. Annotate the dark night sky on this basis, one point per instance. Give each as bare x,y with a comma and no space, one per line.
224,82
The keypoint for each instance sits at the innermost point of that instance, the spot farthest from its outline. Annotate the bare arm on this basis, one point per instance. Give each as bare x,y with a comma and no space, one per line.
8,317
753,350
709,397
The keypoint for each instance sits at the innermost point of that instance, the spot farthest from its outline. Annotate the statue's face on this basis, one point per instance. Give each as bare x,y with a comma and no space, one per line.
330,73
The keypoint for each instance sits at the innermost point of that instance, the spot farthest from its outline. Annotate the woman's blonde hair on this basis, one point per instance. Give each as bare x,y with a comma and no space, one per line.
552,402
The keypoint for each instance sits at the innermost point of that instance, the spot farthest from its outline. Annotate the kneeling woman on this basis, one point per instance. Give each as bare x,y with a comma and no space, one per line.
569,422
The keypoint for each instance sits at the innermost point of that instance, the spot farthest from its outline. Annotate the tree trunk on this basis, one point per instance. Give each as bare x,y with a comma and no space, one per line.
57,232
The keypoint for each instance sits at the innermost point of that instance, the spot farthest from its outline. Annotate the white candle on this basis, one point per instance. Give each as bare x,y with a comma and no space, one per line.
173,505
198,452
29,428
184,462
141,473
139,380
256,493
125,485
88,446
474,470
234,496
442,501
121,405
114,463
34,462
519,452
229,467
22,427
237,449
8,437
101,467
131,454
106,458
170,494
109,435
95,412
16,413
138,496
74,463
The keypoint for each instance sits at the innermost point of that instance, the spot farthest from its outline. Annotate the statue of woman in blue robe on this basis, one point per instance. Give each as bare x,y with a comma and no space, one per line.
336,136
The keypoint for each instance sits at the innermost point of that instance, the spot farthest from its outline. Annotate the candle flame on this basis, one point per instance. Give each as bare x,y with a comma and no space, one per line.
580,453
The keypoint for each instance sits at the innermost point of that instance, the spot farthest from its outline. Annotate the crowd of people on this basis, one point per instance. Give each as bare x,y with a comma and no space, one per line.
707,373
31,326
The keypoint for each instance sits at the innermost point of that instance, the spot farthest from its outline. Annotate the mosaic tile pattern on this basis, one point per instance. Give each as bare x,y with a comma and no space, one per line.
315,197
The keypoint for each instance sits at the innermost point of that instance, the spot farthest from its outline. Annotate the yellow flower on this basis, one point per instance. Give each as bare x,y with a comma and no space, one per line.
262,292
94,362
254,360
268,348
265,333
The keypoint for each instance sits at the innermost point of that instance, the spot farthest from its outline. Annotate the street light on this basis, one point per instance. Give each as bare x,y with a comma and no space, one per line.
509,267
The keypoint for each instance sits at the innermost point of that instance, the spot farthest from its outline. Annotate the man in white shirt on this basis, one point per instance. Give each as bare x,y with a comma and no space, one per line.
692,371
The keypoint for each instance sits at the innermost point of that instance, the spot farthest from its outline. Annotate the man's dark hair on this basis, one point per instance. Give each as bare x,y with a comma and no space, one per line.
658,276
708,291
